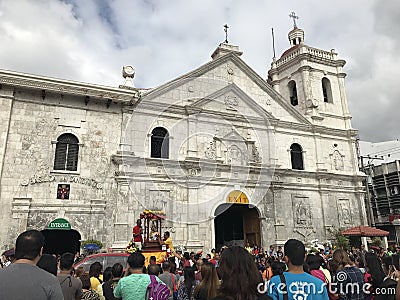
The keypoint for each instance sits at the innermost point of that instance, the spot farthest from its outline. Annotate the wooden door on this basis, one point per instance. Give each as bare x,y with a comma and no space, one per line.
251,227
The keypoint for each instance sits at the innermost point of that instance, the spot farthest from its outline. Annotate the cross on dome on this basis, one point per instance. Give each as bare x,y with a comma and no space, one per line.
294,17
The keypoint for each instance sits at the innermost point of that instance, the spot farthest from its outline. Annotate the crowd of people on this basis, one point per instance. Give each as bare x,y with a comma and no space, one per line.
233,273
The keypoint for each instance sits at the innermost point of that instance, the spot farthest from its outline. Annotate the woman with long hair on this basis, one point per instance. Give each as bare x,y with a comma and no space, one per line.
374,274
208,286
187,287
346,275
96,278
240,279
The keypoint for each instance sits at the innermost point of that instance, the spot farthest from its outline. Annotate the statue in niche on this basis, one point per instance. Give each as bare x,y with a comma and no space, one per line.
255,154
235,156
337,161
211,151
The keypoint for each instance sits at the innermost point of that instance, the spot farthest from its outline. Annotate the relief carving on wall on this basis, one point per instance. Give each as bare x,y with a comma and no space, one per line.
158,200
255,155
337,160
211,150
235,156
302,217
231,102
344,211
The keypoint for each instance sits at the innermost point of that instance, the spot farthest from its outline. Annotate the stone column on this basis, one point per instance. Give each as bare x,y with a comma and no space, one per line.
385,242
192,147
193,240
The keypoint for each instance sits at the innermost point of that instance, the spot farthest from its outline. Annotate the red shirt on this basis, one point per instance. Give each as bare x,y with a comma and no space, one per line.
137,235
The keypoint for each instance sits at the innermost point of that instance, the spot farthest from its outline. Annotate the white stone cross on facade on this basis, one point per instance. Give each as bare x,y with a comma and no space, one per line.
294,17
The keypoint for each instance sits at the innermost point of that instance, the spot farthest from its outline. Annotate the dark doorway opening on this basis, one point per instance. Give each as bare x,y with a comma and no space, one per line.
237,224
61,241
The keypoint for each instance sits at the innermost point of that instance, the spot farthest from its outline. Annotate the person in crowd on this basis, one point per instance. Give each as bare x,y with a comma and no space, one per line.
294,279
267,273
198,274
23,279
95,275
389,282
79,272
109,285
87,292
186,259
153,260
207,288
212,253
215,260
169,278
279,253
208,256
375,274
71,287
174,264
314,264
346,274
134,285
278,268
153,269
271,251
249,248
240,278
48,263
106,276
137,232
186,288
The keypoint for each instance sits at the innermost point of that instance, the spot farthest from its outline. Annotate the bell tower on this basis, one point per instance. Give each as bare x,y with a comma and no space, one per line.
312,81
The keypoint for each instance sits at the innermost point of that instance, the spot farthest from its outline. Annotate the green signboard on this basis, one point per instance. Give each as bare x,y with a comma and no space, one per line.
59,224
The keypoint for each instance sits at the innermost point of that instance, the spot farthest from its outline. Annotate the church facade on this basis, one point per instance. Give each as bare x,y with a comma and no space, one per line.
229,156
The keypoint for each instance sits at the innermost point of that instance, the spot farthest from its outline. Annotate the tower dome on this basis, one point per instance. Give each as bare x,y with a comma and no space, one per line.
296,36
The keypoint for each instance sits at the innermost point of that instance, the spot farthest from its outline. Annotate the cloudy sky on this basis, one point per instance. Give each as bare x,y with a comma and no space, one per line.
90,41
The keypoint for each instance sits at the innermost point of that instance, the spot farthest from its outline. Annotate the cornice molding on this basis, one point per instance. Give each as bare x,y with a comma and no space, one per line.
62,86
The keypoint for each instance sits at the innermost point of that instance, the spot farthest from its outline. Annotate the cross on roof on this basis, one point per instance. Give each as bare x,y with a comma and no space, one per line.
226,32
294,17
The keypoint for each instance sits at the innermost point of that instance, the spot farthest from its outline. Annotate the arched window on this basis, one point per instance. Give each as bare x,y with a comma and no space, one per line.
296,156
67,149
326,90
293,93
159,143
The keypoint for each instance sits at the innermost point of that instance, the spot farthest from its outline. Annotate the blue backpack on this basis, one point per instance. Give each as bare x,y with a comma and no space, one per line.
157,290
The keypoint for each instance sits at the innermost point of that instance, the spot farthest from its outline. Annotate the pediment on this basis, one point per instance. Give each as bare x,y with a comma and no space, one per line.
228,77
231,100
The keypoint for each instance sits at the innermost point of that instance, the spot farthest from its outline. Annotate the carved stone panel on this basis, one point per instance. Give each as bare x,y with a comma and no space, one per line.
344,211
337,161
302,214
158,200
302,217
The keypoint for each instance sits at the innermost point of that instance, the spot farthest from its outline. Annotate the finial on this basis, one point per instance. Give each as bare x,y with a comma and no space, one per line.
294,17
128,72
226,33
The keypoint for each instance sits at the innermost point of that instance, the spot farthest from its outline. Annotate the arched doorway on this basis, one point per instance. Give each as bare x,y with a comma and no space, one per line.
237,224
60,238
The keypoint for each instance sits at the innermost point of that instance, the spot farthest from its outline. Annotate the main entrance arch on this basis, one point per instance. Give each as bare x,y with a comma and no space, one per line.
237,223
60,238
